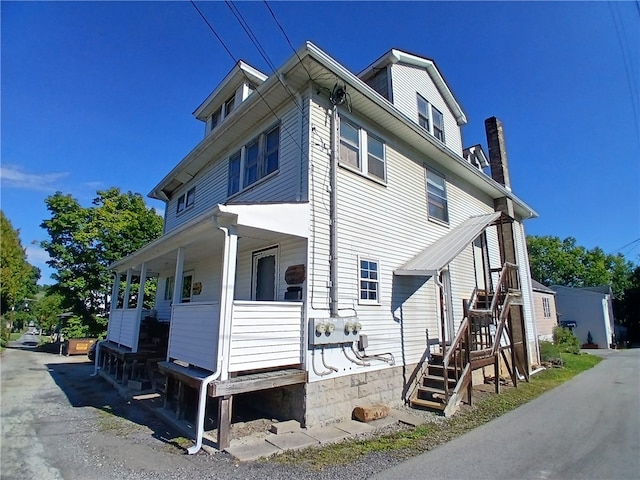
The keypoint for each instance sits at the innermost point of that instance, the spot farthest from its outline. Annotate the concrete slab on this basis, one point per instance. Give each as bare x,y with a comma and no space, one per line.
353,428
383,422
292,441
408,419
247,452
326,435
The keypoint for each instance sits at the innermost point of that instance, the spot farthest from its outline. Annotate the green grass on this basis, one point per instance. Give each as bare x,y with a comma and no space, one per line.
410,442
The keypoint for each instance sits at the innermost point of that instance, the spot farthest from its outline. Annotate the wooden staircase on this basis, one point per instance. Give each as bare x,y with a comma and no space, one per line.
479,342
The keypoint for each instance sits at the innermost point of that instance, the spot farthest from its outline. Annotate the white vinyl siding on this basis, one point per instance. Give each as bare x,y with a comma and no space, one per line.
212,182
406,81
391,230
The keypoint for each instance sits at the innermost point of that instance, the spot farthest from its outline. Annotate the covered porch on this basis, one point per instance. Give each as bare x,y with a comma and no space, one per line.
226,291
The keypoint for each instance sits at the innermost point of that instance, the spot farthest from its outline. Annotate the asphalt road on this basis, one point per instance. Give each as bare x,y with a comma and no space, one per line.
588,428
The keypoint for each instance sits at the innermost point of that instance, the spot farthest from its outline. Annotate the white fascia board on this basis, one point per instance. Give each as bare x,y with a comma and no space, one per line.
484,182
240,71
285,218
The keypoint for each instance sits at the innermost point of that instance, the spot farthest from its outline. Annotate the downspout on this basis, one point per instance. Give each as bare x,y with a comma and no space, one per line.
225,323
440,286
333,216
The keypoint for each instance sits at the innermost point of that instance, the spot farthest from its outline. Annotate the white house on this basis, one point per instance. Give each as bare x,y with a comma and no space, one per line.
591,309
327,239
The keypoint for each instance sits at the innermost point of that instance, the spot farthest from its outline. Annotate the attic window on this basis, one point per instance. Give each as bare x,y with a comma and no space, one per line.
430,118
186,200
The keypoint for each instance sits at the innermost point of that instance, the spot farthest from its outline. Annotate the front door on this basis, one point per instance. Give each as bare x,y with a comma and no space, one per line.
264,274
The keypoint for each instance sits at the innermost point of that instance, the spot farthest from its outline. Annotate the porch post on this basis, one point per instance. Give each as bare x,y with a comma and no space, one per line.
229,255
127,290
177,279
139,307
115,291
125,301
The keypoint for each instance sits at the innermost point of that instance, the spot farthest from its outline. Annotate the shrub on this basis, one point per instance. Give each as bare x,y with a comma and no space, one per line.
548,351
565,340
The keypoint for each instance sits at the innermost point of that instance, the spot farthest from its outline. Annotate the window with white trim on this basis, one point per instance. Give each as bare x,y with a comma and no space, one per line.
437,196
369,289
430,118
546,307
361,150
186,200
254,161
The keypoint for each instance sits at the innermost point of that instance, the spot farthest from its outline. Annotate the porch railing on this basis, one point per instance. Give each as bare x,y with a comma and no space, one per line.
122,326
265,335
193,337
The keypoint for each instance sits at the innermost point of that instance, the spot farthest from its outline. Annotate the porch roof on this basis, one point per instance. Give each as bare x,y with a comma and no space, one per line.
264,220
442,252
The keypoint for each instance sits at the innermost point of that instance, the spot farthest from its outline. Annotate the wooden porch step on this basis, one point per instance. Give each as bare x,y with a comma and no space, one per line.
417,402
437,381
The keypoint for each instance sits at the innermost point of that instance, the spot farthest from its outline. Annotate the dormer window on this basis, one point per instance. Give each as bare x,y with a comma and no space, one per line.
430,118
186,200
222,112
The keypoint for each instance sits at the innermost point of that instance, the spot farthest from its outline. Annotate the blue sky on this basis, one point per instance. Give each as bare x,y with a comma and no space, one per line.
100,94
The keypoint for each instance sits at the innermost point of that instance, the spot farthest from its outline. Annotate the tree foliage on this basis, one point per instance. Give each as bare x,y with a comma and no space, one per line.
18,278
46,310
84,241
563,262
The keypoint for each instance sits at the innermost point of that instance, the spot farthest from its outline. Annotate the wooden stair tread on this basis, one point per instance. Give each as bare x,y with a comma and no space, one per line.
437,390
437,378
428,404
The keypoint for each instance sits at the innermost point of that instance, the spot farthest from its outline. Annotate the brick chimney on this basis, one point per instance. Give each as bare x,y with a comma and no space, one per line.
497,152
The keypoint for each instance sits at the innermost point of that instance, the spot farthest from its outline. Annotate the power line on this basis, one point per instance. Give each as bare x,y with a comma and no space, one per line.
630,80
245,26
257,90
273,15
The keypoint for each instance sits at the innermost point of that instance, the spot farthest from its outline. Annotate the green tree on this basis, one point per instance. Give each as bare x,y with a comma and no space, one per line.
46,310
18,278
84,241
563,262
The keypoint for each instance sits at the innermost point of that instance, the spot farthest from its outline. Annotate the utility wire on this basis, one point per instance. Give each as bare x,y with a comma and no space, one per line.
245,26
273,15
635,98
257,90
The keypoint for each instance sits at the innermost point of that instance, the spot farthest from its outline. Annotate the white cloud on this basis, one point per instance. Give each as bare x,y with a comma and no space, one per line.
37,256
14,176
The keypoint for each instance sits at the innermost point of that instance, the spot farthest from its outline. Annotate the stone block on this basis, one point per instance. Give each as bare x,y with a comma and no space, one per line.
288,426
368,413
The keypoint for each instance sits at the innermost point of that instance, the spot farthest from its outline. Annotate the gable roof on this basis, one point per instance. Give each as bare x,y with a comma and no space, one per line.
538,287
239,74
311,66
398,56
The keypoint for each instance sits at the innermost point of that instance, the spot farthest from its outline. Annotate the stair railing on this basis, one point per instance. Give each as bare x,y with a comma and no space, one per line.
460,354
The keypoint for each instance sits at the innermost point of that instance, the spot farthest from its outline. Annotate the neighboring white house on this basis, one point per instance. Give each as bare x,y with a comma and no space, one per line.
329,235
591,308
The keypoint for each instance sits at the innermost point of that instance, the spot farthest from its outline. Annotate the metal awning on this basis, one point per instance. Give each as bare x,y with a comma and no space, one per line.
442,252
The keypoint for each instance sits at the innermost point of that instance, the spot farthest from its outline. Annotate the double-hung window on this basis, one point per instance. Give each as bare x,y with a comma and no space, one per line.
437,196
254,161
546,307
430,118
186,200
361,151
369,281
